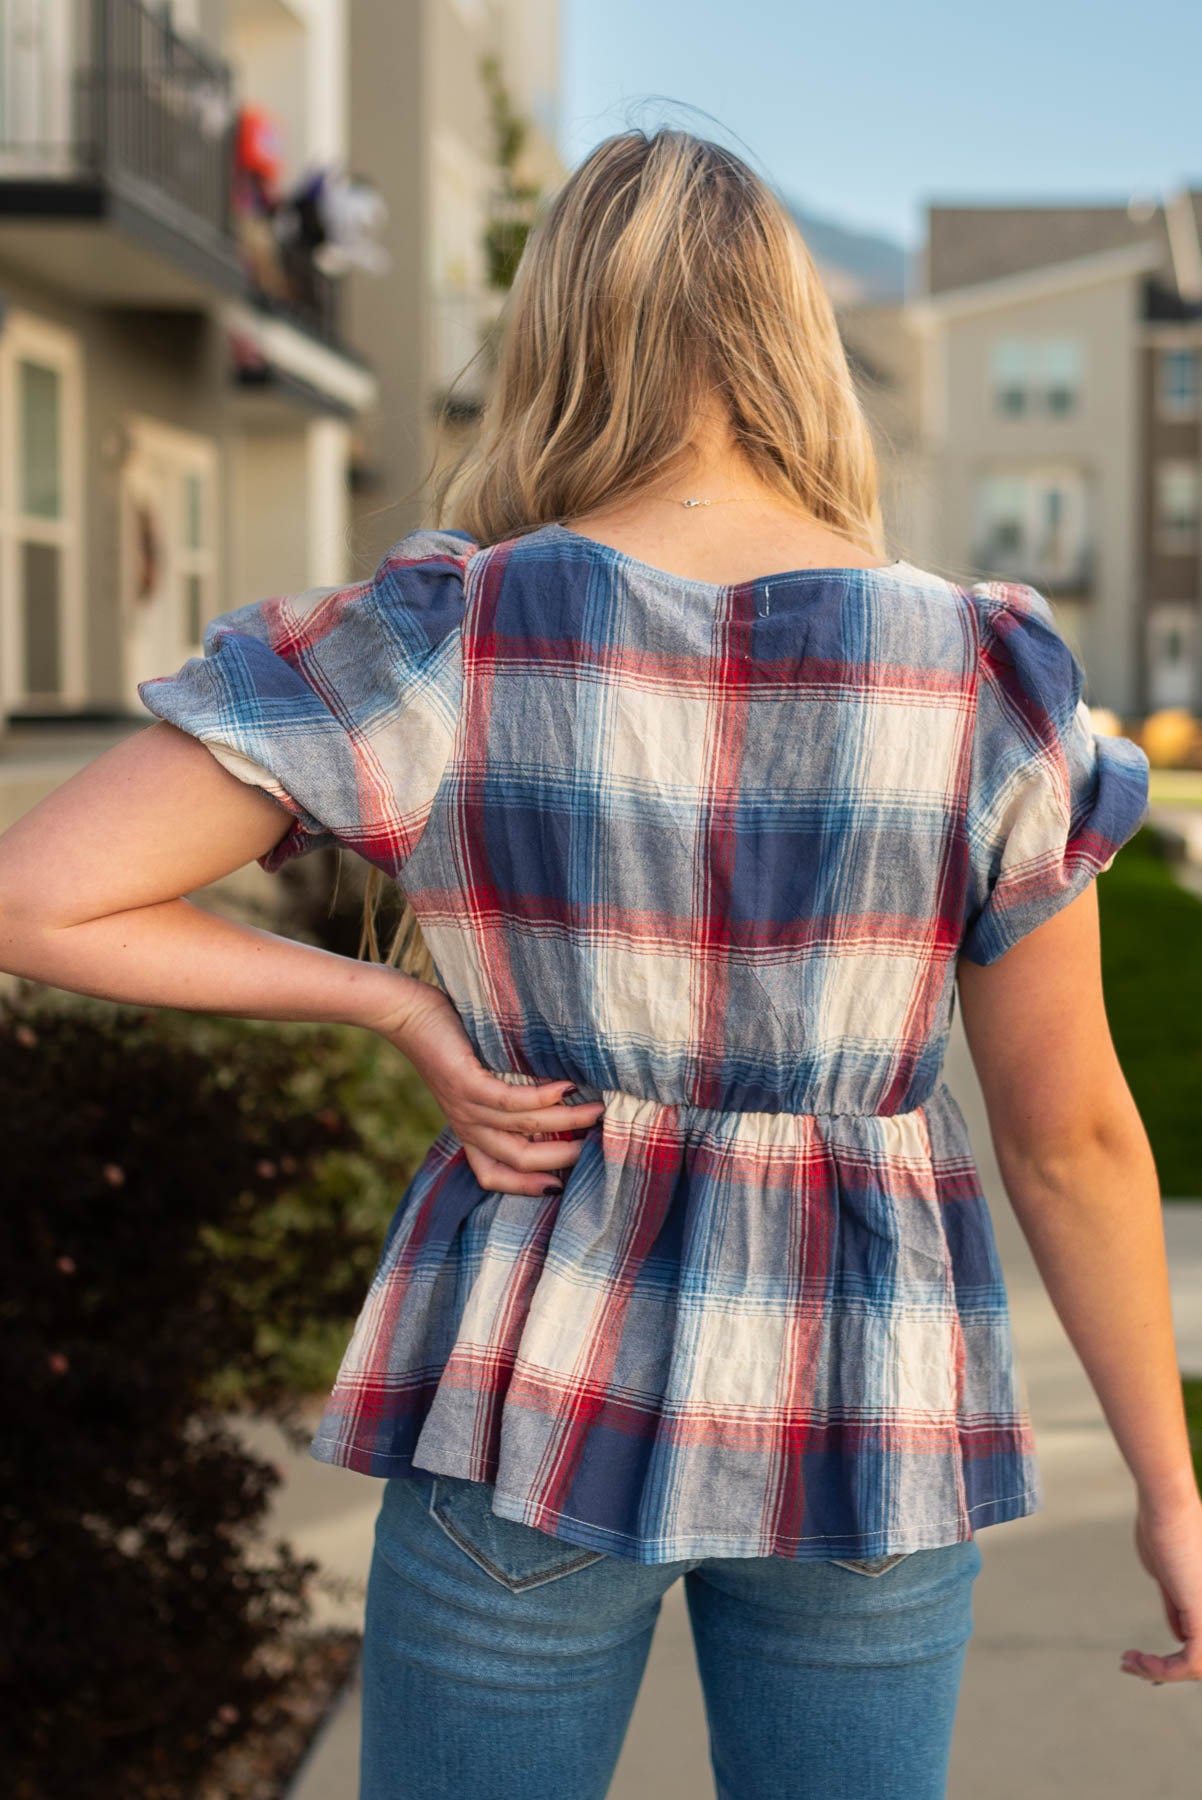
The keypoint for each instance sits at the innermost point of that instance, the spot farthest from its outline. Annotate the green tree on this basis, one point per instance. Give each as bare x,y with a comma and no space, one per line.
516,198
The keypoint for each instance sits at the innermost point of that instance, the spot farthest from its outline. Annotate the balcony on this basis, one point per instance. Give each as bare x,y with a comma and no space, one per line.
115,156
116,184
1066,575
1163,304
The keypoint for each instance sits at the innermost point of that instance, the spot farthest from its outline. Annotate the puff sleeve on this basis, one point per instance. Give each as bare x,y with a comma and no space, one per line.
1050,802
339,702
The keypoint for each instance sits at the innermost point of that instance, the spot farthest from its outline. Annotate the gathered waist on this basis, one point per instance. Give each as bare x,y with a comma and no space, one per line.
622,1102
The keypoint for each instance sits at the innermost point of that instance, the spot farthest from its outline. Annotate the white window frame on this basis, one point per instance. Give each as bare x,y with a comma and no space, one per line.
189,453
1032,354
1001,351
1165,407
1034,480
27,338
1170,540
36,69
1169,615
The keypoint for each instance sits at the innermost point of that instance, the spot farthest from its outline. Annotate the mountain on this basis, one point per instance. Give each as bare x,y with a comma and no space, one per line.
855,265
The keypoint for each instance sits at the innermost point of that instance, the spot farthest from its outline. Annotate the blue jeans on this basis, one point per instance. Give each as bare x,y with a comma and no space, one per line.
501,1663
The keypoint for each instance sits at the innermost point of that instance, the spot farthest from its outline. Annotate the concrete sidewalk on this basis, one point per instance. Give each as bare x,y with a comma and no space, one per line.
1044,1711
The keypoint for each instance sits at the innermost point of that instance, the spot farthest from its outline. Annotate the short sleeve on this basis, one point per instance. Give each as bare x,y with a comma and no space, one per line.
339,702
1050,801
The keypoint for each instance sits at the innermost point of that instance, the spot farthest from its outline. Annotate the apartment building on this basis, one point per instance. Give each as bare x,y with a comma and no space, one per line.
175,416
884,356
423,124
1057,420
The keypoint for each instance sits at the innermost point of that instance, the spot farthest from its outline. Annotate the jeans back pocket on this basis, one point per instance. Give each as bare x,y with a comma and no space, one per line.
871,1565
518,1556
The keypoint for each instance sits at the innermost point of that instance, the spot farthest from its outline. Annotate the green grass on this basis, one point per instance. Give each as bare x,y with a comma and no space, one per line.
1152,969
1192,1387
1175,787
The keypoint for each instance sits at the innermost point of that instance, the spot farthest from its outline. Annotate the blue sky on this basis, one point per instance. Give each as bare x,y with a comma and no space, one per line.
863,112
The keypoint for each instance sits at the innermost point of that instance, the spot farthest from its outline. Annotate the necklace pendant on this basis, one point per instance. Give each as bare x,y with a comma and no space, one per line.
694,503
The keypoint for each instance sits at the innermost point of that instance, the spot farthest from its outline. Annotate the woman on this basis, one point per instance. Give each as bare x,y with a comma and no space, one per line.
706,811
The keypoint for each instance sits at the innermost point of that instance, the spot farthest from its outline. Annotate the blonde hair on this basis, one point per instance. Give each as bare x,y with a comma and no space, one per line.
664,274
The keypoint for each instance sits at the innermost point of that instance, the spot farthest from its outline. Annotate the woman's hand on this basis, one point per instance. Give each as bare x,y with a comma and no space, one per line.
1169,1545
499,1123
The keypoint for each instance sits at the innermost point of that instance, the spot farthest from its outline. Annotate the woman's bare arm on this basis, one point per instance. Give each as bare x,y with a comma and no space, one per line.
92,883
1077,1165
92,886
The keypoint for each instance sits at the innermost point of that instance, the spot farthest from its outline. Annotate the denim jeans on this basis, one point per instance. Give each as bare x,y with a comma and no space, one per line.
501,1663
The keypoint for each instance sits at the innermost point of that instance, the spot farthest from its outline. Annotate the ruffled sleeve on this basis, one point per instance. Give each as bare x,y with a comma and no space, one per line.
1050,801
339,702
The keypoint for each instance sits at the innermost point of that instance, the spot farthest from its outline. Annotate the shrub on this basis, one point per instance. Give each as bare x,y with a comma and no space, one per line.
179,1191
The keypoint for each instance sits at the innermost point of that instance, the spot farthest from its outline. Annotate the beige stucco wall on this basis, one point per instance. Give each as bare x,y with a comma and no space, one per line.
388,138
420,125
164,366
963,436
884,355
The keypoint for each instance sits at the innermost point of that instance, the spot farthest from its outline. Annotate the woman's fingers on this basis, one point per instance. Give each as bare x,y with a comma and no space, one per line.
497,1177
527,1108
1182,1665
530,1121
490,1090
551,1122
520,1154
519,1139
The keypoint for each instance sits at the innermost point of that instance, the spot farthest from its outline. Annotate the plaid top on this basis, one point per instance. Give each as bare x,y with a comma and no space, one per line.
710,852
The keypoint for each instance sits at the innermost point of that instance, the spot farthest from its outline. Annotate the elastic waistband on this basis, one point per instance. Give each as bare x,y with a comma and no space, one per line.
622,1101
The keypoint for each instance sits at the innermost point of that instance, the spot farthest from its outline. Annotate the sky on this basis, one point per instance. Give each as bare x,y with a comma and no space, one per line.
866,112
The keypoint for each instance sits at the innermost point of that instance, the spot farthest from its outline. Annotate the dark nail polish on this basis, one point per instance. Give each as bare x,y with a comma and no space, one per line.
568,1092
553,1187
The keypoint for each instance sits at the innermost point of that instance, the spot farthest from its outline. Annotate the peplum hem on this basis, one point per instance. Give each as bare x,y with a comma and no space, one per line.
732,1334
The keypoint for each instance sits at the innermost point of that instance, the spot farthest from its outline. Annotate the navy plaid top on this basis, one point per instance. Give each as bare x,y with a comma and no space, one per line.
710,852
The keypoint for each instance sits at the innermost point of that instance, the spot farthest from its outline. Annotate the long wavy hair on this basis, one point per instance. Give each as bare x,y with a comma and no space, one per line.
662,273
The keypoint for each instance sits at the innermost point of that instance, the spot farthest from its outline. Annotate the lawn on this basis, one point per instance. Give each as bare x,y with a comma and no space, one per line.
1175,787
1152,969
1192,1386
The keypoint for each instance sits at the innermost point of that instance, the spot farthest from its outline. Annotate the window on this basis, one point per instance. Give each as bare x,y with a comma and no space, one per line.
1172,654
38,49
1036,377
1058,368
1010,379
1032,525
1177,389
1177,506
41,431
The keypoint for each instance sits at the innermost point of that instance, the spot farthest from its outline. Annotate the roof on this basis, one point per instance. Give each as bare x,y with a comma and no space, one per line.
968,245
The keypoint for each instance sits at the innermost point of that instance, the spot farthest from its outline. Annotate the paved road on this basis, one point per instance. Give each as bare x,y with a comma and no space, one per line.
1044,1711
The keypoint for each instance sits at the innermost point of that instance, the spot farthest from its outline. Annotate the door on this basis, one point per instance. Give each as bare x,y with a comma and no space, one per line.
1172,654
168,557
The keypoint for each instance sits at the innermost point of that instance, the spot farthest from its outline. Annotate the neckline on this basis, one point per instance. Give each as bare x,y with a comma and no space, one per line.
624,559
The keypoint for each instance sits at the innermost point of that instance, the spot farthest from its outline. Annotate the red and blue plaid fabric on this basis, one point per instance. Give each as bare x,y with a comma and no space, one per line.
711,852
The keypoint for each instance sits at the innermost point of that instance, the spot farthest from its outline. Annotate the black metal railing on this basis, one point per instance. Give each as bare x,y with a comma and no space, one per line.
312,303
157,110
151,114
1064,575
127,100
